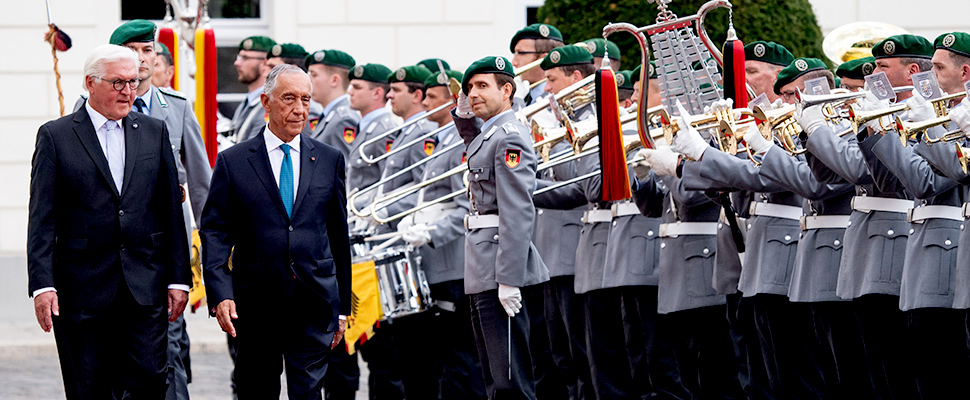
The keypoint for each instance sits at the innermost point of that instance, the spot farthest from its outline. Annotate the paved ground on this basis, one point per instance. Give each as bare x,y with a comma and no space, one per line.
29,368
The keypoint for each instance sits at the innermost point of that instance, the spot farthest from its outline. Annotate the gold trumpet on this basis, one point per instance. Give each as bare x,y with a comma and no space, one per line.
729,133
860,118
829,101
963,154
782,124
910,130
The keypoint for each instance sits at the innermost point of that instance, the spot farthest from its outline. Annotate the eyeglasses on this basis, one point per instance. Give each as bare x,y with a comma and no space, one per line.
522,53
244,58
119,84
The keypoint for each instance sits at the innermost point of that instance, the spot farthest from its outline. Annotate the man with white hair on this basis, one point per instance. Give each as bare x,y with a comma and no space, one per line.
107,262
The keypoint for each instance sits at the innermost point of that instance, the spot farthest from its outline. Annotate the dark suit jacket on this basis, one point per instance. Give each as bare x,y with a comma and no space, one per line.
86,240
272,251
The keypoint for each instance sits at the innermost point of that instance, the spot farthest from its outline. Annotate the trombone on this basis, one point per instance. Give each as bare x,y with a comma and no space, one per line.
940,107
571,98
453,86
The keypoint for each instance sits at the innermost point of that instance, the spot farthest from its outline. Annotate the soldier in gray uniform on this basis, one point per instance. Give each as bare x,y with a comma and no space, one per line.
368,92
438,233
191,161
249,118
330,73
502,267
692,315
529,45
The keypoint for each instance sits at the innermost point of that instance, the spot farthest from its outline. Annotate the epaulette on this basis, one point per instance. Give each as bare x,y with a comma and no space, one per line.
511,128
172,92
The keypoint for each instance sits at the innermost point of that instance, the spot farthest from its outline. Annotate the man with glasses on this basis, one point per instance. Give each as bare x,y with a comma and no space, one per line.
252,68
762,62
528,45
107,261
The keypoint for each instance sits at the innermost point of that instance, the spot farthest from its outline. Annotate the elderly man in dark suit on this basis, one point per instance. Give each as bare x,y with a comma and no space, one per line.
106,248
277,205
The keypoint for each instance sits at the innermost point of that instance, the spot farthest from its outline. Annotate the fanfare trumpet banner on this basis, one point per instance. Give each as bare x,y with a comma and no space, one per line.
206,85
365,308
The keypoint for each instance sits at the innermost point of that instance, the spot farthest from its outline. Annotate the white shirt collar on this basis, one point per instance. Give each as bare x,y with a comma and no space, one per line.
97,119
273,142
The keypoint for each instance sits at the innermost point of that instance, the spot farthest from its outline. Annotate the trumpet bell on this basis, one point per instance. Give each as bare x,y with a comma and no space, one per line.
856,40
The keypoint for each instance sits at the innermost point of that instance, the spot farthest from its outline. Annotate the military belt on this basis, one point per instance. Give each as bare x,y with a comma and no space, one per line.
775,210
867,204
920,214
824,222
594,216
473,222
688,228
623,209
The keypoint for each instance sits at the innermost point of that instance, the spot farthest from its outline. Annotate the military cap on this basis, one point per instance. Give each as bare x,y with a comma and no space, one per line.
566,55
624,79
410,73
856,69
370,72
136,30
432,64
487,65
334,58
797,68
442,79
161,48
903,46
769,52
652,73
535,31
957,42
600,46
257,43
287,50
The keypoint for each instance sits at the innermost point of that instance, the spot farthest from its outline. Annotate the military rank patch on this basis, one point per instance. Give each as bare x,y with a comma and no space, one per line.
350,134
313,123
388,144
429,146
512,157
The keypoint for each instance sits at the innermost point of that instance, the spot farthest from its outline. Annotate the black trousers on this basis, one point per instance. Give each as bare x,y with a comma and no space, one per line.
504,353
605,345
786,336
703,348
940,352
109,352
747,350
653,364
565,320
888,346
845,370
549,385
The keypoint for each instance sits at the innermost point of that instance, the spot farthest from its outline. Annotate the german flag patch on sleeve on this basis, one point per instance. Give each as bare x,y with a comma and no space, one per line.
512,157
350,134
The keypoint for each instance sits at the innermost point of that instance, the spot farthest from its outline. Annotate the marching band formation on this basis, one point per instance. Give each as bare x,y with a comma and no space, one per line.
800,242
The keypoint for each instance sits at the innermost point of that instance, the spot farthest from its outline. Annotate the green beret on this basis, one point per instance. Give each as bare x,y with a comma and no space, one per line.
161,48
136,30
370,72
287,50
797,68
442,79
600,46
624,80
536,31
566,55
432,64
635,74
411,73
838,82
957,42
257,43
487,65
856,69
333,58
769,52
903,46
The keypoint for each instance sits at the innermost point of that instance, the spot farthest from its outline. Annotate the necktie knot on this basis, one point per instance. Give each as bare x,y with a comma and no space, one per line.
140,104
286,149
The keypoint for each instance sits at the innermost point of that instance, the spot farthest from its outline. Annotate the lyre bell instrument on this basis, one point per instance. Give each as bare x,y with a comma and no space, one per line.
856,40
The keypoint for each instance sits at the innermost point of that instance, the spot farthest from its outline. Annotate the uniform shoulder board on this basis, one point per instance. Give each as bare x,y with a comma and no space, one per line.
172,92
511,128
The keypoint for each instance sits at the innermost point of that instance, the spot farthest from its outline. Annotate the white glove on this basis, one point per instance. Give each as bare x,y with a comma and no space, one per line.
464,109
777,104
641,168
688,142
810,118
358,224
872,103
521,87
511,299
919,109
756,142
961,115
416,235
404,223
662,160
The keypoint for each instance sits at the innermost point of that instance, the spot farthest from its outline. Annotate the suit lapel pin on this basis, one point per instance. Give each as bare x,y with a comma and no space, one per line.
134,125
312,159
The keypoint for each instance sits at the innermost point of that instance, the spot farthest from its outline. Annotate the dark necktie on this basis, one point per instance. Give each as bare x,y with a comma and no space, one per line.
286,180
140,105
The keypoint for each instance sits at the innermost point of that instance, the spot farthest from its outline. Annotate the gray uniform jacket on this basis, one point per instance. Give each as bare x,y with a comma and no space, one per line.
360,174
943,158
816,270
875,241
557,231
443,258
686,265
771,243
415,152
187,146
501,179
633,248
929,268
248,120
338,127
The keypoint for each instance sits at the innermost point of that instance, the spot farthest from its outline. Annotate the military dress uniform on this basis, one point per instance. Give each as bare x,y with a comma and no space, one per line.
337,125
249,118
360,173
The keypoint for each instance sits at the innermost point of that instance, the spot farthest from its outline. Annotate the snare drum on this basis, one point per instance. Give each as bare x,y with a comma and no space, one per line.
401,283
